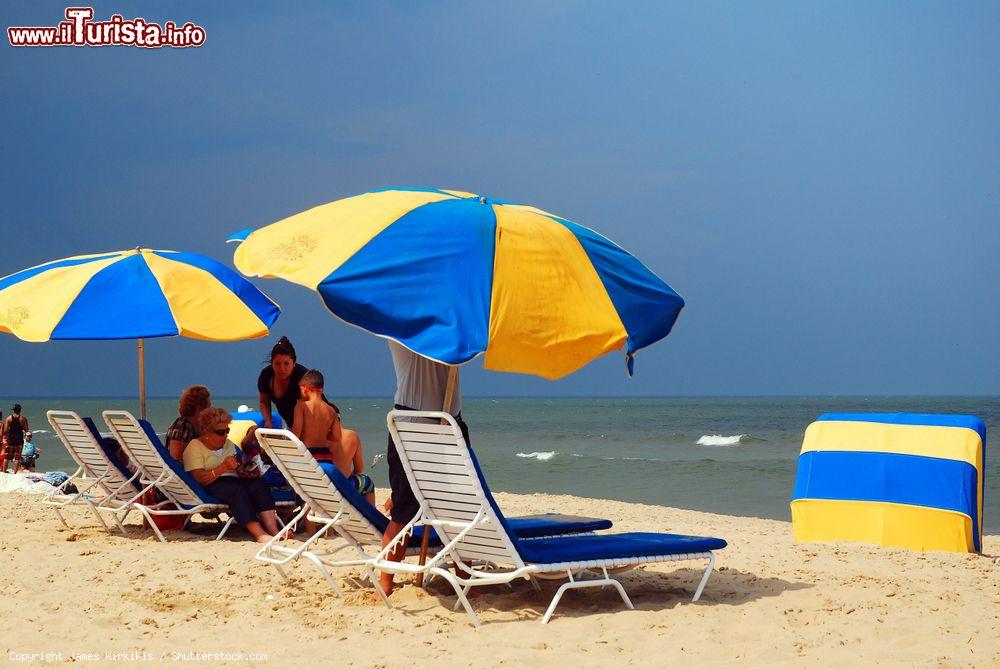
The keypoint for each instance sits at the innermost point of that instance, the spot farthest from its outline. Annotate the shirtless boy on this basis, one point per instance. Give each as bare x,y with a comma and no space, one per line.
317,424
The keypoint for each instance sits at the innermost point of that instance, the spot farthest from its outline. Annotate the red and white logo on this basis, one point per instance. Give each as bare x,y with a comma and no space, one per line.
79,29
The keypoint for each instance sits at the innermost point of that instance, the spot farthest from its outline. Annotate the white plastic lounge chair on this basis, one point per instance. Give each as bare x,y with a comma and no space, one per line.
184,496
111,488
332,502
456,501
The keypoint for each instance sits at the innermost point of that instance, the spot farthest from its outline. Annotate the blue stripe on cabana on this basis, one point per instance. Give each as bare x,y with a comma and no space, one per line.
888,477
429,291
140,311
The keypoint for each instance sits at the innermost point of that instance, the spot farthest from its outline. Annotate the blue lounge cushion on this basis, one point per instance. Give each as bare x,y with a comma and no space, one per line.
111,454
544,524
579,548
175,466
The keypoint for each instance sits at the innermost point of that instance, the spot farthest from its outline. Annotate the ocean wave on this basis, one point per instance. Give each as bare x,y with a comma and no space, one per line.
542,456
719,440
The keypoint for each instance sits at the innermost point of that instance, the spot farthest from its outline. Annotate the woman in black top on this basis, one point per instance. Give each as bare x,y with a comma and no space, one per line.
279,383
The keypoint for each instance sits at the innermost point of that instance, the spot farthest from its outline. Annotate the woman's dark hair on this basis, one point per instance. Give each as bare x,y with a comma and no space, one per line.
17,408
283,347
313,378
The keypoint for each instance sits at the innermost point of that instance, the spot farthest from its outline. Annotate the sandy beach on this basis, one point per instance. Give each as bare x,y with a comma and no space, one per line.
770,603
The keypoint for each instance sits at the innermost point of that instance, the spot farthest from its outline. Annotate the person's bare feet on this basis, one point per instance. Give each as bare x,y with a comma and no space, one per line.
263,538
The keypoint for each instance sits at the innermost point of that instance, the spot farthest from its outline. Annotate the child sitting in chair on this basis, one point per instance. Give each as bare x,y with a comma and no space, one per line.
317,424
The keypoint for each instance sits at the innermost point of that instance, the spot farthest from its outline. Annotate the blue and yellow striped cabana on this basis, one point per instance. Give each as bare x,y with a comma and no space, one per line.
907,480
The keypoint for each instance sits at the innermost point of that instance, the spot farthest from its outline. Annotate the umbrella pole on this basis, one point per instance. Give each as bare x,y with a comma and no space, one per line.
449,393
142,381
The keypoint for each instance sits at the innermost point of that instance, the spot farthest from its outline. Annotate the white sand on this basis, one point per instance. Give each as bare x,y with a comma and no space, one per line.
771,602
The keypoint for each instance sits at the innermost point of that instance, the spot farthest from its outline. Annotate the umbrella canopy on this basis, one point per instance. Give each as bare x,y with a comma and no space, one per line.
452,275
134,294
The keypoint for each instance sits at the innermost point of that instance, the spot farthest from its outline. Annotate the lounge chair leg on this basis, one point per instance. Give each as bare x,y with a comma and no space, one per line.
621,591
225,528
97,513
704,579
373,577
461,594
59,513
465,591
534,583
555,601
329,579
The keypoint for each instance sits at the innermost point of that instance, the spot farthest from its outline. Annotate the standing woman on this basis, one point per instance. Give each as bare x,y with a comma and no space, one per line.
279,383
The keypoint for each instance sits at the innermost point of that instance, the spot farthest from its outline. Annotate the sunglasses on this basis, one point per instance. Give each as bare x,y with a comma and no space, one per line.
221,433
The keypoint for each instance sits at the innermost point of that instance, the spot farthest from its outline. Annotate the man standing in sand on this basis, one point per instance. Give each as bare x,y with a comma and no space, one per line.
420,386
13,430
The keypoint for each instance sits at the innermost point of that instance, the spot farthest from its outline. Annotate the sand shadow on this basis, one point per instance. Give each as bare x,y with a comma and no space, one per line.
648,590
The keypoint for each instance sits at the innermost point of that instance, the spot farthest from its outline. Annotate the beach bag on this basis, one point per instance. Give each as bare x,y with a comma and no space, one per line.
169,522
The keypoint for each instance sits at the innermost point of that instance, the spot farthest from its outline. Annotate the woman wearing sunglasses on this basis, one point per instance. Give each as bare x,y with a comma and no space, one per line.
211,460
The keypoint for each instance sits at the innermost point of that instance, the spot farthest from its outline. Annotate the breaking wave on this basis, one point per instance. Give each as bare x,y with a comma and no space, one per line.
543,456
719,440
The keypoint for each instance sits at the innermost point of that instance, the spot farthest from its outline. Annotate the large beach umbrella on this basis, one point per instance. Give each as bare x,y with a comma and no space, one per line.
452,275
137,294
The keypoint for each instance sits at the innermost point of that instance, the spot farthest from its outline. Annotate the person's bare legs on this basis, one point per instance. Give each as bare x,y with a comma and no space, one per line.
397,555
254,528
17,464
269,519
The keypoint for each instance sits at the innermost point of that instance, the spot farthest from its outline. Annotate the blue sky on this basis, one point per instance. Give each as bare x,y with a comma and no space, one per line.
820,181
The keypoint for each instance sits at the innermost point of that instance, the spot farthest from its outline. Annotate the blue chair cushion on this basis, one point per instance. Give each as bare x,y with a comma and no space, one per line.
576,548
540,525
175,466
548,524
112,455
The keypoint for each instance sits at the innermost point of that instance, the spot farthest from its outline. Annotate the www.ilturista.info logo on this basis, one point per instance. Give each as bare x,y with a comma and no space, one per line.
81,30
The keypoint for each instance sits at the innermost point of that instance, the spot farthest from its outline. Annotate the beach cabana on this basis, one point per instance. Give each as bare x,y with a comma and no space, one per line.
907,480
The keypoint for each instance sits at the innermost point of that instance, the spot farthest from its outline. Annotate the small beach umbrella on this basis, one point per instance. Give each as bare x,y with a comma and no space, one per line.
452,275
137,294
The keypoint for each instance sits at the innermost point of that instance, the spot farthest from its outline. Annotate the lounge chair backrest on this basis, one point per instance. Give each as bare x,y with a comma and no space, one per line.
146,451
311,483
82,440
444,474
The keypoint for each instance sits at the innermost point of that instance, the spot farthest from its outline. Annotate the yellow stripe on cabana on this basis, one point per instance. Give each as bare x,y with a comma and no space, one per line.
332,232
531,331
934,441
33,308
188,289
899,525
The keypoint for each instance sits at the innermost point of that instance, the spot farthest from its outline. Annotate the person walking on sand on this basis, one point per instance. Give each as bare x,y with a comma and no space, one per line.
421,384
13,429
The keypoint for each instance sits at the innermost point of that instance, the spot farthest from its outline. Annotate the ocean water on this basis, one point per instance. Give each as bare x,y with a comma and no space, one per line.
724,455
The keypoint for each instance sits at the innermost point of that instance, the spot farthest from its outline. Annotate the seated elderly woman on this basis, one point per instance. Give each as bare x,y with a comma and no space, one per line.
211,460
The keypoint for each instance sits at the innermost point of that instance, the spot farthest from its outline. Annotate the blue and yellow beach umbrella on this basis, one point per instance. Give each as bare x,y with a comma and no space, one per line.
452,275
135,294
